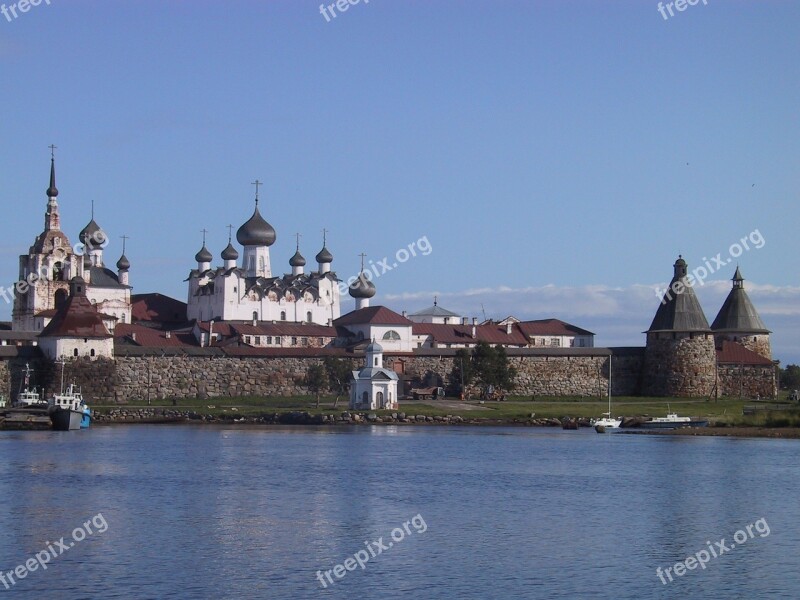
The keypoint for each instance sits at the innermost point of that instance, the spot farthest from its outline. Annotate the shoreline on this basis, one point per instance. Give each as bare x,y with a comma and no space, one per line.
166,416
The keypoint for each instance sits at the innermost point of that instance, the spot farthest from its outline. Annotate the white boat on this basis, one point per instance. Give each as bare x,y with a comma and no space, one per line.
673,421
606,422
27,397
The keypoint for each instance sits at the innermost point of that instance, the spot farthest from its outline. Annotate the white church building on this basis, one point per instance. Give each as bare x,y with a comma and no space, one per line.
52,261
373,387
250,291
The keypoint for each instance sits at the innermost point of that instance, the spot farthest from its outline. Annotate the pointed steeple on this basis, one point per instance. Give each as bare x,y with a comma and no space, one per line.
52,191
738,315
52,220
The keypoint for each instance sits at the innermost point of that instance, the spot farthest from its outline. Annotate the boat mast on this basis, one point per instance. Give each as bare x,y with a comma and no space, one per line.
61,362
609,384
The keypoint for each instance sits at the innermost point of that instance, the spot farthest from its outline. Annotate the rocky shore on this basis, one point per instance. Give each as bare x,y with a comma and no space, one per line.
165,415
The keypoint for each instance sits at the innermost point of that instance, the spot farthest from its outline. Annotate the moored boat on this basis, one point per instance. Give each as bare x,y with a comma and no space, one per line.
29,411
68,411
673,421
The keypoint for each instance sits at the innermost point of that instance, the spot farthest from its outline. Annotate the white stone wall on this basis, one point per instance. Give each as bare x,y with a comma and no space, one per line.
55,348
228,304
368,332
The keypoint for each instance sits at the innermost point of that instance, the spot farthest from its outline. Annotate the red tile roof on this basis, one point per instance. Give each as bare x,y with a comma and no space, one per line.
372,315
220,328
311,352
153,338
462,334
281,329
78,317
733,352
157,307
550,327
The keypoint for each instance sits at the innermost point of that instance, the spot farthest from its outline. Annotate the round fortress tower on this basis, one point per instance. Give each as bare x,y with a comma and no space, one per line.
738,321
680,358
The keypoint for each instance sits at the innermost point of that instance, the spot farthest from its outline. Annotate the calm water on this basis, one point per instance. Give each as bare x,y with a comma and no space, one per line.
212,512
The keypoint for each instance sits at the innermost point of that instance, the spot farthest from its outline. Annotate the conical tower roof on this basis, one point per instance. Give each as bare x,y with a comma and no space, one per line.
738,313
680,309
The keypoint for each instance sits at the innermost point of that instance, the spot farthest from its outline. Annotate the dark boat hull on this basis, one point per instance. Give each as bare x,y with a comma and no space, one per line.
25,419
66,420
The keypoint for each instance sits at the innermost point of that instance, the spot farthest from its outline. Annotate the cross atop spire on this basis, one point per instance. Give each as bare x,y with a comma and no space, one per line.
230,233
324,237
436,300
298,236
363,256
125,238
204,232
257,183
52,151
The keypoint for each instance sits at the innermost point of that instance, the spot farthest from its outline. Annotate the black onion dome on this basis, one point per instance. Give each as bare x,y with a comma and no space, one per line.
229,253
297,260
362,288
123,264
52,191
92,236
204,255
256,231
324,256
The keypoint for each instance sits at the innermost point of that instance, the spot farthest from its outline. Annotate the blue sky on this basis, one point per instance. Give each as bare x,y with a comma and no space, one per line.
557,155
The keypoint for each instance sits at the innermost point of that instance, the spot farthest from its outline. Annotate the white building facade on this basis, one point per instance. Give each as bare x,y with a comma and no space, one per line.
52,261
250,292
373,387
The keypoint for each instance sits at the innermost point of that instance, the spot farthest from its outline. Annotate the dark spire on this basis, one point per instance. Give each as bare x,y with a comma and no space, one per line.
297,260
229,253
123,264
203,255
52,191
324,256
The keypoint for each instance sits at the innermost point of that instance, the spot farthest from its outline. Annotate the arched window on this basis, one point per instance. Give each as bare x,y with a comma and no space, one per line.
308,317
58,272
365,398
391,335
122,319
255,315
75,352
59,298
379,398
283,315
91,352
